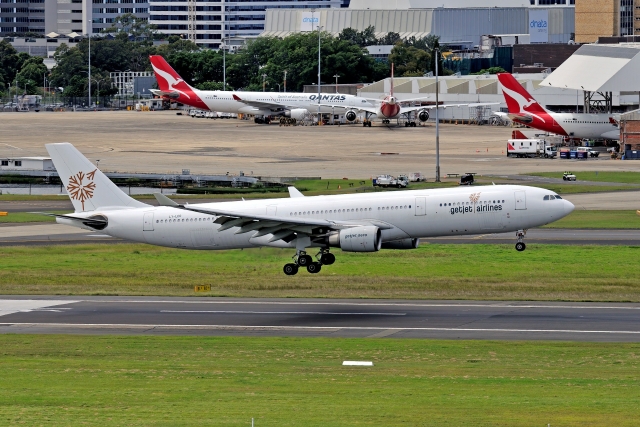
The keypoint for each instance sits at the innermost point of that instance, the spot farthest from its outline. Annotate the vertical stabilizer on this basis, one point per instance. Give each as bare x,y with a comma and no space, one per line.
392,79
173,86
517,98
88,188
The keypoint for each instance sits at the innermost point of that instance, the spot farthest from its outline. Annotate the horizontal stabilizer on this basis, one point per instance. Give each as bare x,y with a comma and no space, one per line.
164,200
293,192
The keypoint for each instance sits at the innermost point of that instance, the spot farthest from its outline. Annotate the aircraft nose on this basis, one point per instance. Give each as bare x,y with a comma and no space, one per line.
568,207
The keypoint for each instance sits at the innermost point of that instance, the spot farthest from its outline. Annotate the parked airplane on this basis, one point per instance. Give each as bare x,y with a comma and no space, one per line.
288,104
524,109
364,222
260,104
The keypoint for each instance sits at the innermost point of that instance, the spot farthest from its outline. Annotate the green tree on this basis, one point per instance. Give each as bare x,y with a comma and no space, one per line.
409,61
130,25
364,38
31,75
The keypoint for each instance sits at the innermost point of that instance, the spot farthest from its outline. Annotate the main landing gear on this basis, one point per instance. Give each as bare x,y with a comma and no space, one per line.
410,124
520,246
301,259
366,123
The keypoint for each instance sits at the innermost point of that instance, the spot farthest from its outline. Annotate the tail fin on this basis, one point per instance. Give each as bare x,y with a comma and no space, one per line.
518,99
392,79
173,86
88,188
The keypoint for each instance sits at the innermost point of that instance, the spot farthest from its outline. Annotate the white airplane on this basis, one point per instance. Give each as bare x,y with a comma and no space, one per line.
364,222
524,109
297,106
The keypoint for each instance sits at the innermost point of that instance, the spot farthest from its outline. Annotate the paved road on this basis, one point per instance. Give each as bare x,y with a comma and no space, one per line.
326,318
57,234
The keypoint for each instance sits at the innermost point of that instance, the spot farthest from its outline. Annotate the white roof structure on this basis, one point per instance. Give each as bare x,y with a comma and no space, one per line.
431,4
599,68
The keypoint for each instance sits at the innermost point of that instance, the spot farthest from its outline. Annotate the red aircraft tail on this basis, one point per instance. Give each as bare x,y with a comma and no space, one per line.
171,85
518,99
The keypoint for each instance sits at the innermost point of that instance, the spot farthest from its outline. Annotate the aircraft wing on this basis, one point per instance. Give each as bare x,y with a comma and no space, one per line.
282,228
263,104
445,106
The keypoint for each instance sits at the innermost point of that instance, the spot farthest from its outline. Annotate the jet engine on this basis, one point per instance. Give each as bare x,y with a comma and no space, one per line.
351,115
402,244
296,113
357,239
423,115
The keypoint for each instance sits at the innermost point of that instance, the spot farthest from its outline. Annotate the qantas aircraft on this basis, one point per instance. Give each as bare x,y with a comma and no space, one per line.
524,109
364,222
289,104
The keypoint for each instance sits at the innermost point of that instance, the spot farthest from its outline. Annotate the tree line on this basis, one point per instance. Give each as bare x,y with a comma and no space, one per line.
263,60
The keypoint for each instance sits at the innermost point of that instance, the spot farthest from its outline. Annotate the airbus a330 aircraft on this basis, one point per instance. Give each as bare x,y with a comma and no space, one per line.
288,104
524,109
364,222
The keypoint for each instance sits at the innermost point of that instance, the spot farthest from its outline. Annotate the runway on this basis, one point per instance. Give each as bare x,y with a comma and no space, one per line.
322,318
57,234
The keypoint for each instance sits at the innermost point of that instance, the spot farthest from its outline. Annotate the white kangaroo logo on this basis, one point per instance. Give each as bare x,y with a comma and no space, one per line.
522,101
171,81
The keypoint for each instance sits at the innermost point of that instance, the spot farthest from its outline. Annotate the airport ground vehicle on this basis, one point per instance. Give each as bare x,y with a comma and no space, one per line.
467,179
531,148
363,222
390,181
590,150
417,177
568,176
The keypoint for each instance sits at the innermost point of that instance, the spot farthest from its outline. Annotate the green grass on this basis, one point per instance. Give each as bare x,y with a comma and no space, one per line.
484,272
599,219
620,177
198,381
24,217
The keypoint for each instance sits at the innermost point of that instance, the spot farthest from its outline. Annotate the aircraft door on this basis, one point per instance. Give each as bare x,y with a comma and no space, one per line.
148,222
421,206
521,200
272,210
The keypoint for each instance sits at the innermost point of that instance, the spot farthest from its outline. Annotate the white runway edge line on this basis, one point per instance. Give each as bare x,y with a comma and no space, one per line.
364,304
319,328
282,312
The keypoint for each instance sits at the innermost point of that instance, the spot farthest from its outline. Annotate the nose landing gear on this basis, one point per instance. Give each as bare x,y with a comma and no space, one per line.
301,259
520,245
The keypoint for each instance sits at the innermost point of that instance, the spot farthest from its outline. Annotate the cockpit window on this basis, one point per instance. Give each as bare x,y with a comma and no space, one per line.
546,197
558,197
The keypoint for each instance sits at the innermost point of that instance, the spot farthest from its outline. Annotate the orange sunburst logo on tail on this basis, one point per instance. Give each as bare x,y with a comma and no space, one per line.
79,189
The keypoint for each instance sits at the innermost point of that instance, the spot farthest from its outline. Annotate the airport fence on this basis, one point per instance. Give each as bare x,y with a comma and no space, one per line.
64,103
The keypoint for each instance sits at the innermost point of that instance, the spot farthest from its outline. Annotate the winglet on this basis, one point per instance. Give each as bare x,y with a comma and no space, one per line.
164,200
293,192
236,97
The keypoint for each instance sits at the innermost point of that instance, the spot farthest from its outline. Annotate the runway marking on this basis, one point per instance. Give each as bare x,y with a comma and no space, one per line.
318,328
386,333
283,312
10,306
494,305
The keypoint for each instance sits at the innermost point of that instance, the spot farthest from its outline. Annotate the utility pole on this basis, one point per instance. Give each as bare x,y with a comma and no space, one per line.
264,82
319,70
89,75
336,77
285,81
437,52
224,65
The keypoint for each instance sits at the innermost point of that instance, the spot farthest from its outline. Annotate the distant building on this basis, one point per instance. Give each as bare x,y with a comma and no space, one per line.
27,163
606,18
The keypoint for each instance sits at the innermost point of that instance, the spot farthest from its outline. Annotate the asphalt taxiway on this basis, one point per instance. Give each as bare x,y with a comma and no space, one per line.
322,318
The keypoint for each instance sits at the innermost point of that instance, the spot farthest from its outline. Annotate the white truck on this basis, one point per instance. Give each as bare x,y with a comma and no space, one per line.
389,181
531,148
590,150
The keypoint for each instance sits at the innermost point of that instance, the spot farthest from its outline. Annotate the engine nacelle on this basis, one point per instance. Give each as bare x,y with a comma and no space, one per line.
296,113
423,115
357,239
402,244
351,115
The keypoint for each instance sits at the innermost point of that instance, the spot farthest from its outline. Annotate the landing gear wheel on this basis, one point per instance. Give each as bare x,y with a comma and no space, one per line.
520,246
314,267
304,260
369,124
290,269
327,258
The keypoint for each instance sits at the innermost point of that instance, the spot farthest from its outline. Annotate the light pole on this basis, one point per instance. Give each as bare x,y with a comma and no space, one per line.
319,83
336,77
285,81
89,105
264,82
278,87
437,52
98,92
224,64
